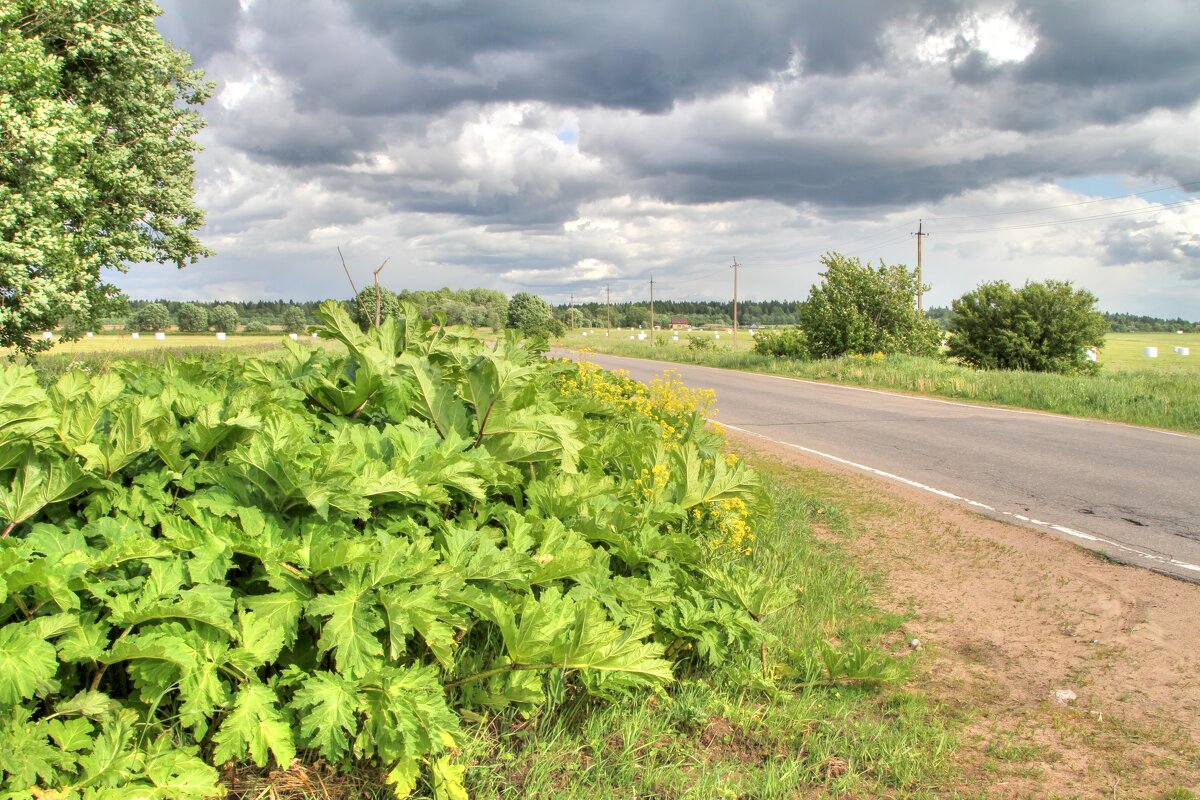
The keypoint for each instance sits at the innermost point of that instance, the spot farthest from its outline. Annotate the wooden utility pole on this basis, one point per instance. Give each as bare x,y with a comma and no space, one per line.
651,309
608,309
920,234
734,267
571,322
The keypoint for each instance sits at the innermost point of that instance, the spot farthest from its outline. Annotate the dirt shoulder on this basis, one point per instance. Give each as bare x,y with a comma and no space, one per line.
1006,616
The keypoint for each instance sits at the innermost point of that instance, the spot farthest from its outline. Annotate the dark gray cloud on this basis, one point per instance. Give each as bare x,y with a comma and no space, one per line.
202,28
534,135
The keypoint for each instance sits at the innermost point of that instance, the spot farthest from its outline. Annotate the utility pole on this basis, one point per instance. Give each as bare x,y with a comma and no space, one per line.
734,267
652,310
571,323
608,309
920,234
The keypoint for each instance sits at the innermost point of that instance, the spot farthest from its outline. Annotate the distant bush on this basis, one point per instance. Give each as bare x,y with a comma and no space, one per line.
701,343
192,317
782,342
255,326
224,318
366,304
1041,327
151,317
532,315
294,320
862,309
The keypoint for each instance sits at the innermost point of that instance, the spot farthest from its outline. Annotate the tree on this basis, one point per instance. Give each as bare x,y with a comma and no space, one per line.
224,318
1041,327
151,317
532,315
96,129
294,319
192,317
363,306
860,309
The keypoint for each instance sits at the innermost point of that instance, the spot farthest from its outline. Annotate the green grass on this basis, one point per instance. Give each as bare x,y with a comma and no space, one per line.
1162,392
731,734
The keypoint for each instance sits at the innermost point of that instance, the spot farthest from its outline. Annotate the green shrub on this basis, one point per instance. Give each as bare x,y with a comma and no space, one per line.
193,317
151,317
701,344
1041,327
860,309
255,326
782,343
223,318
367,303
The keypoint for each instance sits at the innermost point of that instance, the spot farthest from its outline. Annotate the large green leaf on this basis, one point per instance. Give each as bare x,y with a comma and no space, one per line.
255,727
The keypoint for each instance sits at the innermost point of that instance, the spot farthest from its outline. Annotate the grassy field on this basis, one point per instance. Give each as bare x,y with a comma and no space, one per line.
124,344
1163,392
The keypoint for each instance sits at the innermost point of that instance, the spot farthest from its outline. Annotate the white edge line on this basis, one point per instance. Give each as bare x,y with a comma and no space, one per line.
1088,537
926,398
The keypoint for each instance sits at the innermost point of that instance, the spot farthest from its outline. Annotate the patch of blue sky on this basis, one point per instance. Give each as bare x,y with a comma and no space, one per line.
569,135
1156,191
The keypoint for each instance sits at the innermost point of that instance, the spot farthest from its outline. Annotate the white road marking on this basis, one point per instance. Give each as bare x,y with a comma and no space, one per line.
1088,537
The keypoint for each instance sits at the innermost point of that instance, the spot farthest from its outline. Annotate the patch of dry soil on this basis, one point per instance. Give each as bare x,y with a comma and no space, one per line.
1006,615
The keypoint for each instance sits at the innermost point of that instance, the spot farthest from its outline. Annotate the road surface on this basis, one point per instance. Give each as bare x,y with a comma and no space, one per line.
1132,493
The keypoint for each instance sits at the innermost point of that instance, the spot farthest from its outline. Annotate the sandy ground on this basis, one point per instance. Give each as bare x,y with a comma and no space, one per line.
1006,616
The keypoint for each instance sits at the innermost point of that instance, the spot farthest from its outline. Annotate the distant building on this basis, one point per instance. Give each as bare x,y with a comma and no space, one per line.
679,323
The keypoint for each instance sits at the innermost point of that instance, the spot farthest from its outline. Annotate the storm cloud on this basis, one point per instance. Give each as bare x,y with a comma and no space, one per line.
558,145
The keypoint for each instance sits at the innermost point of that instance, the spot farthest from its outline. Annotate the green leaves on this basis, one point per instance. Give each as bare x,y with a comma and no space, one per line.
255,727
341,555
27,664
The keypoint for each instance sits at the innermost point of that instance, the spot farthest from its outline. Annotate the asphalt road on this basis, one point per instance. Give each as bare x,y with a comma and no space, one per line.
1132,493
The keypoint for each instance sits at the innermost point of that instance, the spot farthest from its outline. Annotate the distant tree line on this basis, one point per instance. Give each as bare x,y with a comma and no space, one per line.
1117,323
698,312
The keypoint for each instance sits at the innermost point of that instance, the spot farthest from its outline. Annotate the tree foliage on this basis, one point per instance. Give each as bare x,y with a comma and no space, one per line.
782,342
96,135
294,320
1041,327
151,317
367,303
223,318
192,317
532,316
860,309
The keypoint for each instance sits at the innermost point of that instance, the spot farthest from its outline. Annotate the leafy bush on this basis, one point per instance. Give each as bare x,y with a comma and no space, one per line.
255,326
861,309
224,318
701,344
368,303
532,316
782,342
1041,327
294,320
455,530
151,317
193,317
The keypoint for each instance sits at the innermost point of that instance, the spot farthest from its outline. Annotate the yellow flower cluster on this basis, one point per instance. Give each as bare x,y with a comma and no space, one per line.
734,535
653,480
666,400
874,358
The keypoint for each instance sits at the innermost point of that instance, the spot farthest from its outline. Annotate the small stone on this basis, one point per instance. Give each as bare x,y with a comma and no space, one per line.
1064,697
915,644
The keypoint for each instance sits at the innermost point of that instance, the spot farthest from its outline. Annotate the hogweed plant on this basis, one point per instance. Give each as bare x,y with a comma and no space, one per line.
343,556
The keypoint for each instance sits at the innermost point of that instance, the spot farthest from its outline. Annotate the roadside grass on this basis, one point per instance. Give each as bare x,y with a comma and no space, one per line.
1161,393
731,734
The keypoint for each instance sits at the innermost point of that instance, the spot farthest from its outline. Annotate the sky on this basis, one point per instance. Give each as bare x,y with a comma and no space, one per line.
561,147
